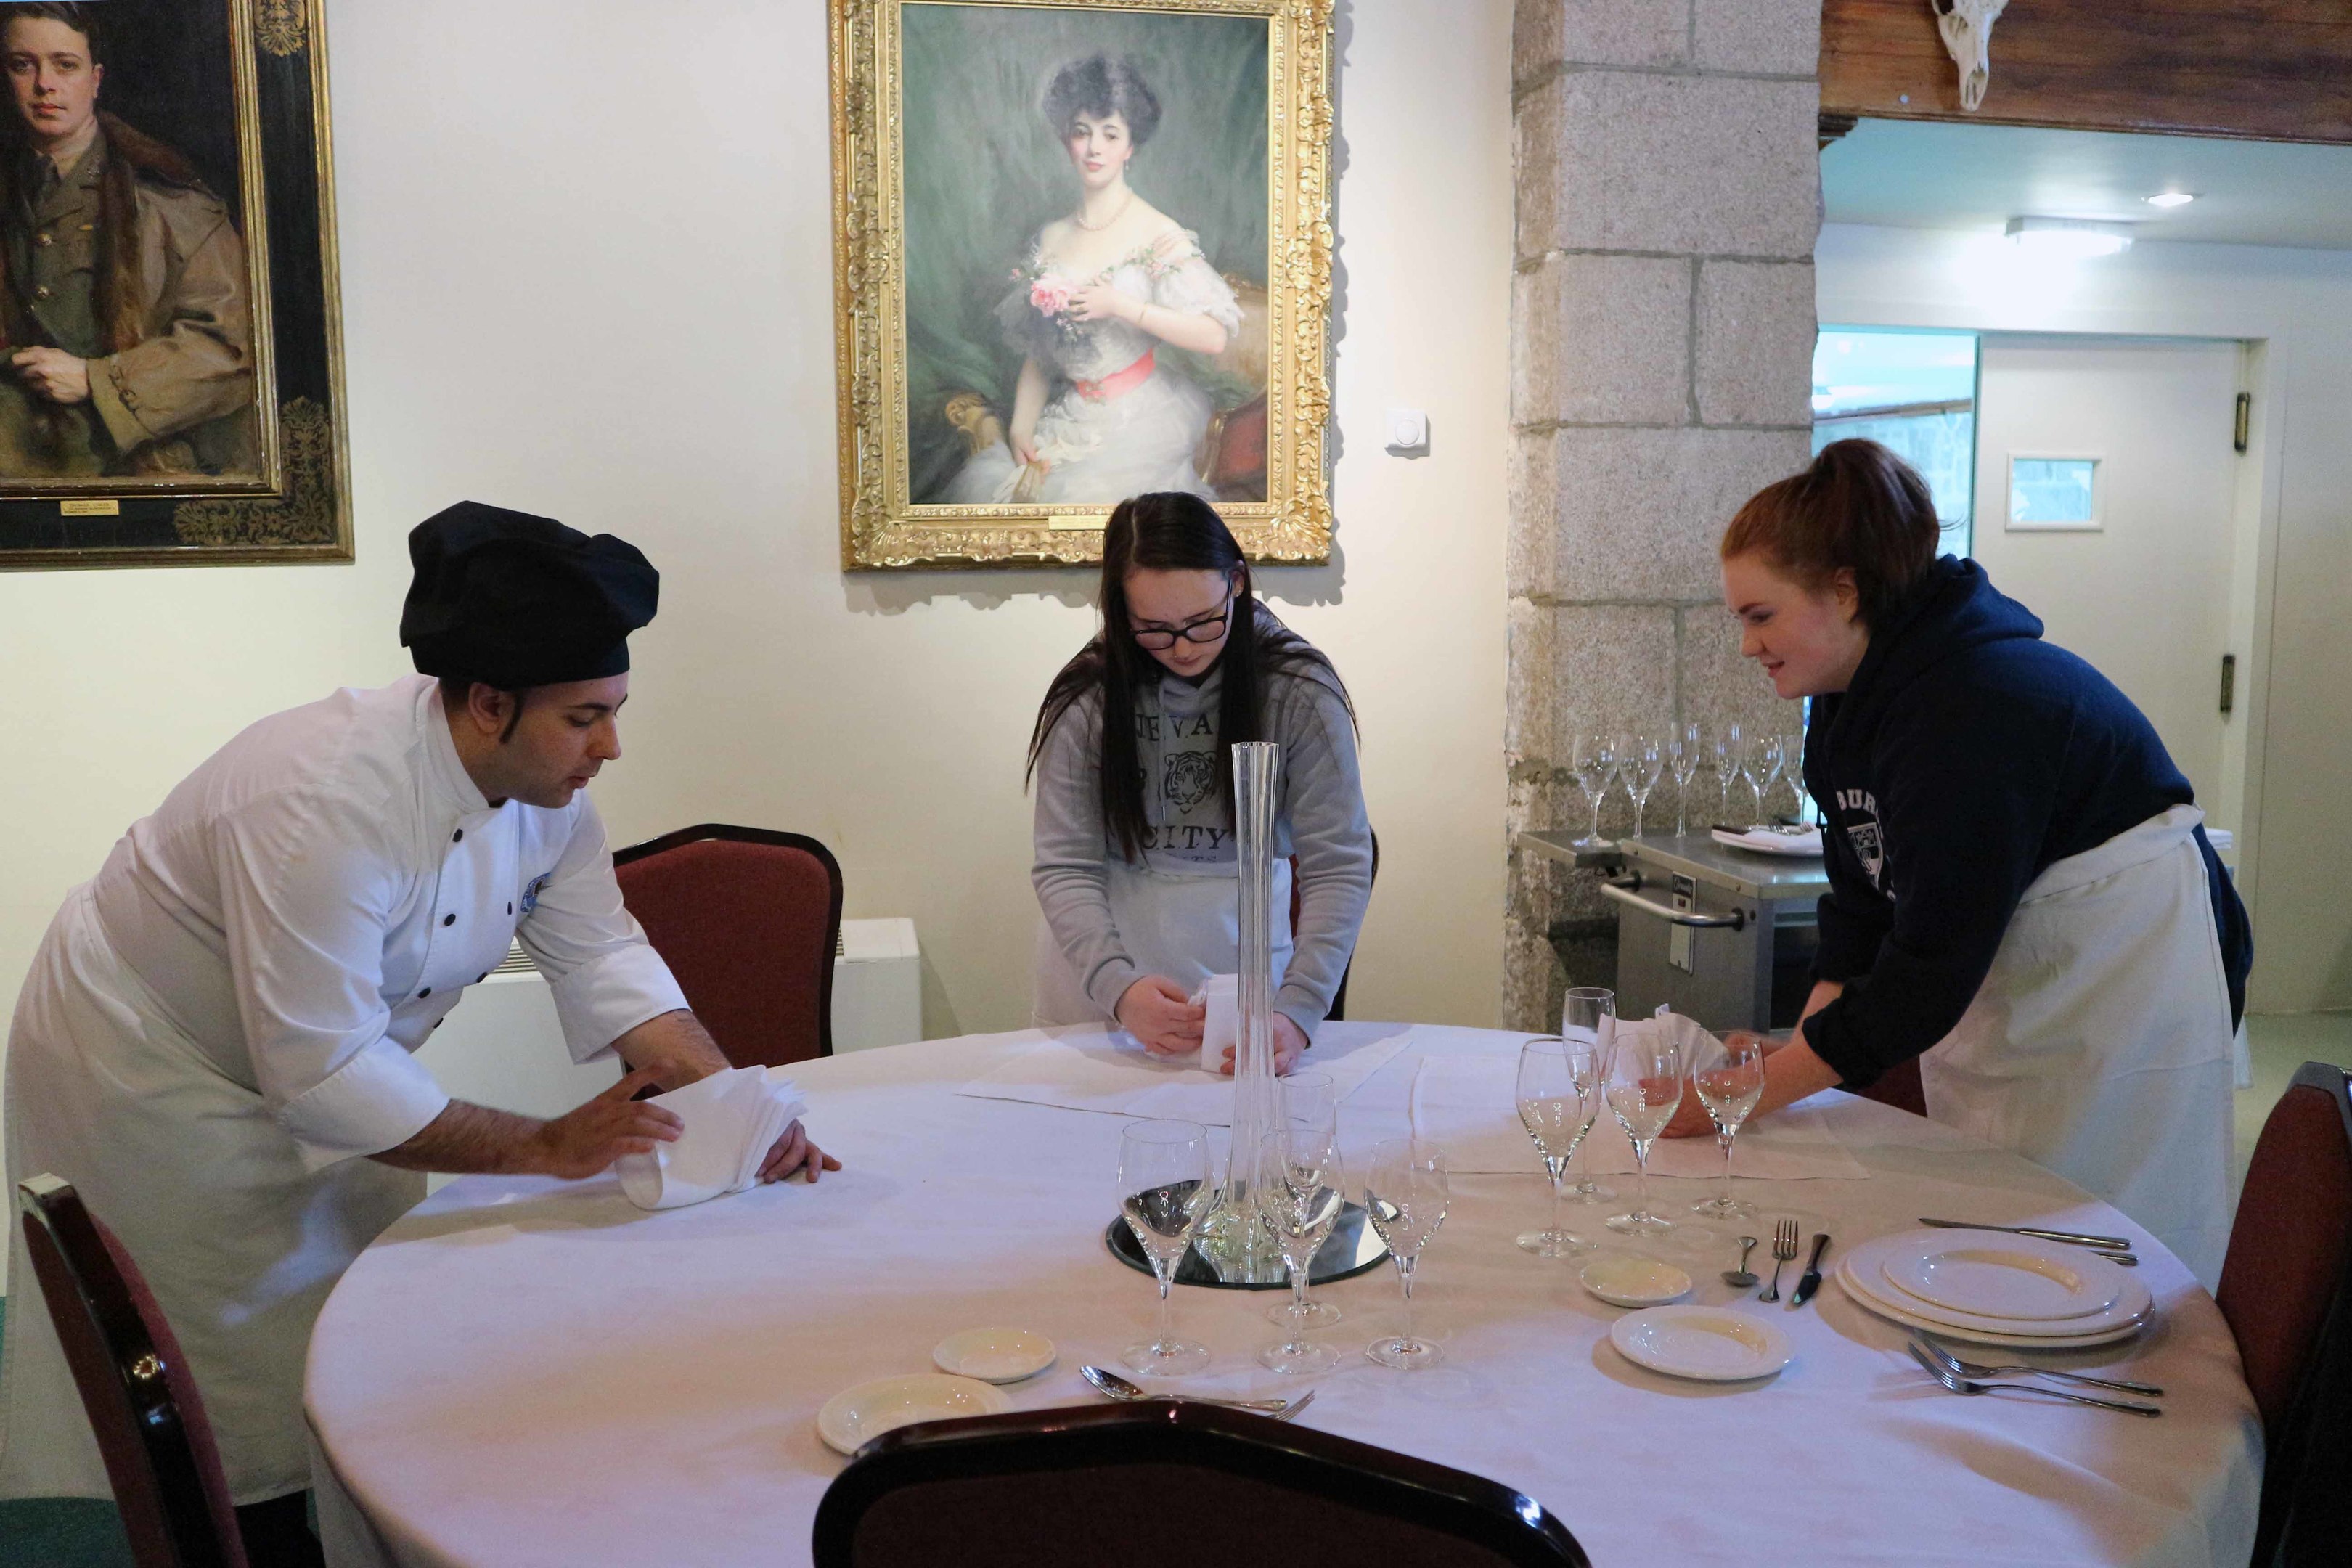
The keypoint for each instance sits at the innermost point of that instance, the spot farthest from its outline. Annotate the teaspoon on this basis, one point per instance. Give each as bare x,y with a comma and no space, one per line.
1740,1278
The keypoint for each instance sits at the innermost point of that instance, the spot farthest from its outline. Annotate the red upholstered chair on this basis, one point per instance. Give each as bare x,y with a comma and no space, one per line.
1898,1086
2286,1291
748,921
150,1420
1061,1488
1339,997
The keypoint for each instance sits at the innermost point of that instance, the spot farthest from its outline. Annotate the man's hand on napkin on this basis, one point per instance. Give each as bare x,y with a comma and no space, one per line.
584,1141
793,1153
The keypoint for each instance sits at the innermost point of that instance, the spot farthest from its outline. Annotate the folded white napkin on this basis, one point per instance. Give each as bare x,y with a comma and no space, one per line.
1770,840
1221,1030
733,1119
1468,1105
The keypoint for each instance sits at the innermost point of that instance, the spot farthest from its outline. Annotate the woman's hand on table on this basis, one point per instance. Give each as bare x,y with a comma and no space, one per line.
793,1153
1289,1045
1163,1015
1792,1073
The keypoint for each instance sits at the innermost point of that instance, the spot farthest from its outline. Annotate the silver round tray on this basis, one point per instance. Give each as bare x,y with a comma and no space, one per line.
1352,1246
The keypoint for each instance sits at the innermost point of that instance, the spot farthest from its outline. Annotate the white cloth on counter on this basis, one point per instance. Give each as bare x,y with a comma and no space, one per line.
1469,1106
733,1119
1106,1070
1766,839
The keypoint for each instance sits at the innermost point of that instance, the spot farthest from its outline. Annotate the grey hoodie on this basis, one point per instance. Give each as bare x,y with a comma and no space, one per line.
1320,818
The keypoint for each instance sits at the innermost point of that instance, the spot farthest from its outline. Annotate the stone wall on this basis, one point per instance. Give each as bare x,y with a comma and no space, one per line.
1669,194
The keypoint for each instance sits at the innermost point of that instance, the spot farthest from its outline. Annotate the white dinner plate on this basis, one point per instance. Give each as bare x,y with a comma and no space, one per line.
2016,1277
1855,1283
1863,1272
993,1355
1713,1345
1623,1281
856,1417
1770,841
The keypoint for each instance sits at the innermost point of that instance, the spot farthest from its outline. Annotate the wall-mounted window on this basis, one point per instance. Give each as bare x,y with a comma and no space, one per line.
1914,393
2053,493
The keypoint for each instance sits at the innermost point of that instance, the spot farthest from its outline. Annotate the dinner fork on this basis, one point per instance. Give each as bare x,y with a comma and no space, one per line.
1784,1250
1971,1369
1959,1384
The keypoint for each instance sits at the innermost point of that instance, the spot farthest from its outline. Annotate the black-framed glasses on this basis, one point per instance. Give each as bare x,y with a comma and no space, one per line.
1208,628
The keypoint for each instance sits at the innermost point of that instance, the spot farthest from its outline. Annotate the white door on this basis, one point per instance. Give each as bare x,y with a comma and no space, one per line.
2144,594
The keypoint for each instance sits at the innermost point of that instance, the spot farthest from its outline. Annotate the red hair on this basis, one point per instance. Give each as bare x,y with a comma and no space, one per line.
1859,508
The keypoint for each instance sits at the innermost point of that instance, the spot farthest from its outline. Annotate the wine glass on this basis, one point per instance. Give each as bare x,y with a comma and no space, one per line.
1298,1209
1682,760
1594,759
1642,759
1405,1196
1587,1020
1164,1192
1309,1104
1793,750
1769,759
1557,1105
1644,1088
1731,752
1729,1078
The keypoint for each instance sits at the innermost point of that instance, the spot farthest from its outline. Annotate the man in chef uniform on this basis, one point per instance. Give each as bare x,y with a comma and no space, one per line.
214,1043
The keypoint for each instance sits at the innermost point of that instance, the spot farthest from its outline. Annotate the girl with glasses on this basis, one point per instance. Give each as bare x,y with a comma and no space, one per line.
1135,868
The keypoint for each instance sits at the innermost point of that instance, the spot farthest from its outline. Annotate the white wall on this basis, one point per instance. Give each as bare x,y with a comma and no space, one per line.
2297,563
587,271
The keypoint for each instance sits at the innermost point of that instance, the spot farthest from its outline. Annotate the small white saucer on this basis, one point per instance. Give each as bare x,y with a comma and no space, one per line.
1713,1345
1623,1281
993,1355
856,1417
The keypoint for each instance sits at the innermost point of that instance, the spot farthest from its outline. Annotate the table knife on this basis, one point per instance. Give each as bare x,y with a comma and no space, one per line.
1811,1280
2073,1239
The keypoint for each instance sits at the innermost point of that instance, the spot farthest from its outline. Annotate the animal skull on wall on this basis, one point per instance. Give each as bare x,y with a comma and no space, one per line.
1967,27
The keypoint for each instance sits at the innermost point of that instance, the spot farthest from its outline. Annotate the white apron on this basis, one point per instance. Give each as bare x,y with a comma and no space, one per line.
208,1195
1186,928
2099,1045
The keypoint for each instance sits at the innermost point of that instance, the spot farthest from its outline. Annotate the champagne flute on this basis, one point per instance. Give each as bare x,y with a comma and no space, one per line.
1642,759
1595,760
1769,759
1406,1196
1557,1105
1729,1078
1309,1103
1298,1209
1682,760
1164,1192
1730,751
1644,1090
1588,1019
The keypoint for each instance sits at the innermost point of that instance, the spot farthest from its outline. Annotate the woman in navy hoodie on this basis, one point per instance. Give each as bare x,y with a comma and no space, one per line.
2022,894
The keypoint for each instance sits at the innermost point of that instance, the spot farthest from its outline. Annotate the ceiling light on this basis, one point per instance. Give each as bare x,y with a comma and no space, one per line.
2073,239
2170,199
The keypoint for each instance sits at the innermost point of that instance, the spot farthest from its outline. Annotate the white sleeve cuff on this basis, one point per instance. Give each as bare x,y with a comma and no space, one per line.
379,1100
607,996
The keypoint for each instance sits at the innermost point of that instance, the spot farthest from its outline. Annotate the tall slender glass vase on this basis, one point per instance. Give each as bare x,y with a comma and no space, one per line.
1240,1249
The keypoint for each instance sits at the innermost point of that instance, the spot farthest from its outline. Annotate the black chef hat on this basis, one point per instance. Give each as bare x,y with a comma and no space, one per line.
515,601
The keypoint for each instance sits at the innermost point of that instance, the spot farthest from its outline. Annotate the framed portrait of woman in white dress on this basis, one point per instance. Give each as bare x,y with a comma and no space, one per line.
1082,252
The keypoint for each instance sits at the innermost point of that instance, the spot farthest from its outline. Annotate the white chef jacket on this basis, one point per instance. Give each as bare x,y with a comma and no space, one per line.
218,1024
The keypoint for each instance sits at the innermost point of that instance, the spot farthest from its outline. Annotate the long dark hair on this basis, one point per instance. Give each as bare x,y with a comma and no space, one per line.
1171,532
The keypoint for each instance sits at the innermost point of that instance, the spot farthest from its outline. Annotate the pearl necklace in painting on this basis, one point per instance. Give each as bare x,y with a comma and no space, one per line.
1079,217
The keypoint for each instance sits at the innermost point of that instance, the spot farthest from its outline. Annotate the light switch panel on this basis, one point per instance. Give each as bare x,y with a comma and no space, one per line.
1408,430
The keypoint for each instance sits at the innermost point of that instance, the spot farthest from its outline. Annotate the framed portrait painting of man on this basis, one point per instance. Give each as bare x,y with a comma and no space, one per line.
1082,252
170,375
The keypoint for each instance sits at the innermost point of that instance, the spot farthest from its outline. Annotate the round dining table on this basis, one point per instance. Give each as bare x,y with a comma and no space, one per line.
524,1371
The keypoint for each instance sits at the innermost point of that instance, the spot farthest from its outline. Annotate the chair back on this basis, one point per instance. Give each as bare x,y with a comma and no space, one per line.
1899,1087
2285,1292
1066,1488
1298,898
142,1404
750,921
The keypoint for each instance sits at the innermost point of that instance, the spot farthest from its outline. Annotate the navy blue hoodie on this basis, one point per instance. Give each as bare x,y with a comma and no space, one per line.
1966,757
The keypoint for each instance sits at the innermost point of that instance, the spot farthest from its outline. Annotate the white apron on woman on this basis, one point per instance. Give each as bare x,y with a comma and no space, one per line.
217,1030
1186,928
2099,1045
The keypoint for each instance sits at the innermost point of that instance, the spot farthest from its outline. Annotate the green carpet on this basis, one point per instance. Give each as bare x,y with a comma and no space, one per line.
60,1533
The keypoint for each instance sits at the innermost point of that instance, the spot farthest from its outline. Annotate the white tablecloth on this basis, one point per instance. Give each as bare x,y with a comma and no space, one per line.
528,1372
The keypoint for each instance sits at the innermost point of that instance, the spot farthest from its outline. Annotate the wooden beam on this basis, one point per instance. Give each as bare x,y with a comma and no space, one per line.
2273,71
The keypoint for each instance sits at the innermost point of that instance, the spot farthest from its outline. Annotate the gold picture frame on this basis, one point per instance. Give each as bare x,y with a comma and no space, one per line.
221,107
919,360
